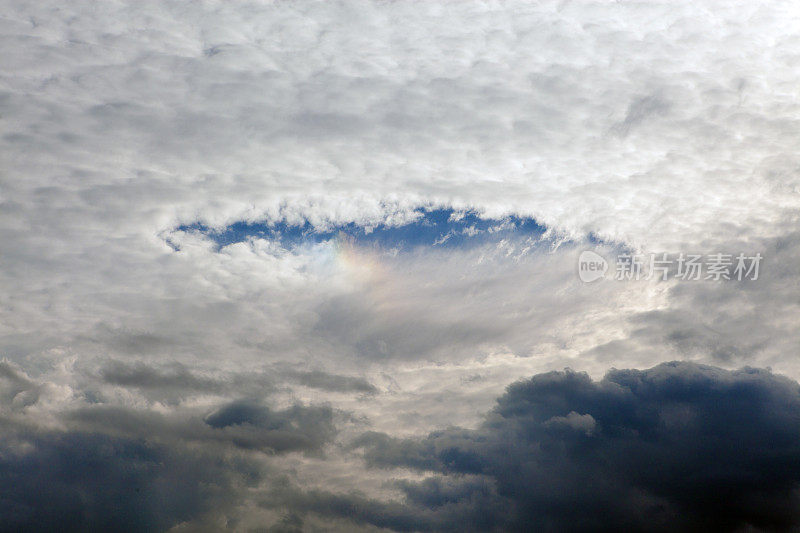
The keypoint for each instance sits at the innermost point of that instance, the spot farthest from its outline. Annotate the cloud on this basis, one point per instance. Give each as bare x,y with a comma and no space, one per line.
240,112
318,379
573,421
15,387
673,448
730,323
94,482
131,131
676,447
435,503
250,424
143,376
243,423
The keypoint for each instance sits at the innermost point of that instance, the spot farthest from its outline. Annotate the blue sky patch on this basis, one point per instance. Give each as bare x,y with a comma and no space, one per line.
445,228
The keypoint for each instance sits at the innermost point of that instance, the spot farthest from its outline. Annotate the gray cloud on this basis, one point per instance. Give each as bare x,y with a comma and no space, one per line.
432,505
727,323
15,387
677,447
142,376
242,423
94,482
250,424
319,379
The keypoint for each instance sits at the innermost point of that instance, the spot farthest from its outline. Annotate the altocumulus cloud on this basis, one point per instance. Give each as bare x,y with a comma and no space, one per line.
252,253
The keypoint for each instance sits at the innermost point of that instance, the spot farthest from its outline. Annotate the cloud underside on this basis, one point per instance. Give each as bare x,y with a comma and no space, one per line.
677,447
674,448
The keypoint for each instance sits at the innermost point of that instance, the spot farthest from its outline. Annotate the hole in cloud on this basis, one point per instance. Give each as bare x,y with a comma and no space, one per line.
442,228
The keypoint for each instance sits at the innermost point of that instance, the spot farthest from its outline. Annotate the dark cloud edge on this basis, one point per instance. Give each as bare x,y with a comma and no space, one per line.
677,447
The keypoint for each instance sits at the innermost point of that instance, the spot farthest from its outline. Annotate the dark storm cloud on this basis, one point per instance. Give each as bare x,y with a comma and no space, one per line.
253,425
120,469
433,505
92,482
676,447
355,507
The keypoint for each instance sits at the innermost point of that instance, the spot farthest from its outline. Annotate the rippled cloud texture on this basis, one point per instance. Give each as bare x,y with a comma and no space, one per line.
312,266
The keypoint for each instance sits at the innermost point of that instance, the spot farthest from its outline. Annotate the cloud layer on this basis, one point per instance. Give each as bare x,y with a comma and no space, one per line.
679,447
187,342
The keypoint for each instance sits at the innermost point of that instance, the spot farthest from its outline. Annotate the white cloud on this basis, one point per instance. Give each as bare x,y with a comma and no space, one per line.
663,126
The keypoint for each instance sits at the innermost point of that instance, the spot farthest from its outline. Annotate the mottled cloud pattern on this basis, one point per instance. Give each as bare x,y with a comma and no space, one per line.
274,266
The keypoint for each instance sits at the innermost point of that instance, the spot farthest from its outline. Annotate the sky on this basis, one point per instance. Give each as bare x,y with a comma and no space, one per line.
317,266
